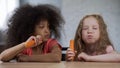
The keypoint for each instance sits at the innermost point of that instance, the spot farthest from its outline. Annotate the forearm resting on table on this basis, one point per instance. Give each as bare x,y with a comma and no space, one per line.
111,57
10,53
54,56
41,58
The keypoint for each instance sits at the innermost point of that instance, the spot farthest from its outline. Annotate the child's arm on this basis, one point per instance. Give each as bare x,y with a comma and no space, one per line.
110,57
54,56
8,54
13,51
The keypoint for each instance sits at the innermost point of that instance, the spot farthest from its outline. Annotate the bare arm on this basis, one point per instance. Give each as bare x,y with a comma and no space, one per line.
10,53
111,57
13,51
54,56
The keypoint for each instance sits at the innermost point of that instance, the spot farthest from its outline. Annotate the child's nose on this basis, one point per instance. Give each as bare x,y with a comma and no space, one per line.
46,30
90,31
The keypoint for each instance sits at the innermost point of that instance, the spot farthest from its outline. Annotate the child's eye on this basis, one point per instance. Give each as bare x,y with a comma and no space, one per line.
41,26
95,28
84,28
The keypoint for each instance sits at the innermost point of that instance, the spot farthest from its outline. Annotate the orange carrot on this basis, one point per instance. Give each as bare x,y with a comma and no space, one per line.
72,44
30,43
72,47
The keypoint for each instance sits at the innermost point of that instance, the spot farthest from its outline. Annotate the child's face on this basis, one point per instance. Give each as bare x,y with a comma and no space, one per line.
90,30
43,30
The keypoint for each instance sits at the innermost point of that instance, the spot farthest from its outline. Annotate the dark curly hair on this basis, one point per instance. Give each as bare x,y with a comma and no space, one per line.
22,23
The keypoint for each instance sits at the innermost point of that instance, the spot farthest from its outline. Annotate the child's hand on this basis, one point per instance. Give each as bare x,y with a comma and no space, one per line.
38,40
70,54
83,56
33,41
22,58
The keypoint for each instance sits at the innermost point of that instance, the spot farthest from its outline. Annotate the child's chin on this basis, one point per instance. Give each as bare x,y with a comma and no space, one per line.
90,42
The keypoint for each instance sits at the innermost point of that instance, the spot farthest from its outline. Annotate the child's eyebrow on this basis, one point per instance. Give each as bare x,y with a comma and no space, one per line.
95,25
40,25
84,26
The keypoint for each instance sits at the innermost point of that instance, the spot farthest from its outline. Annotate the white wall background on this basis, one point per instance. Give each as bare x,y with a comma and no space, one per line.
74,10
36,2
6,8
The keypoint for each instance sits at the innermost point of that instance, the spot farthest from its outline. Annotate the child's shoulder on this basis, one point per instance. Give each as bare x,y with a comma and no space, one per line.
52,42
109,49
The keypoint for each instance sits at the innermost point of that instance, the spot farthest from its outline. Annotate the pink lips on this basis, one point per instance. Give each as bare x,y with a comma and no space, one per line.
90,36
47,36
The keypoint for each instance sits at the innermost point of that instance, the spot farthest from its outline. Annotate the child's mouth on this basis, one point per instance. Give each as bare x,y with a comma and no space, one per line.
47,36
89,36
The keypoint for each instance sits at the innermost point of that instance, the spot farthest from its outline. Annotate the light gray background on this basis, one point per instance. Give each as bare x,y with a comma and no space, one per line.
74,10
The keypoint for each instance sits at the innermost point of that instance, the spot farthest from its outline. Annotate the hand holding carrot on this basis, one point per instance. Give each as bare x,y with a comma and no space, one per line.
70,51
33,41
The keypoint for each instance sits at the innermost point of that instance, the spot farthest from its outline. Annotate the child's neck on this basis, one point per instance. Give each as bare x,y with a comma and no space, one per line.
90,48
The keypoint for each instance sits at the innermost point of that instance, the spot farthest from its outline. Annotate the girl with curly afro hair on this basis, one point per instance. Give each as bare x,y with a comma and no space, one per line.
32,34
